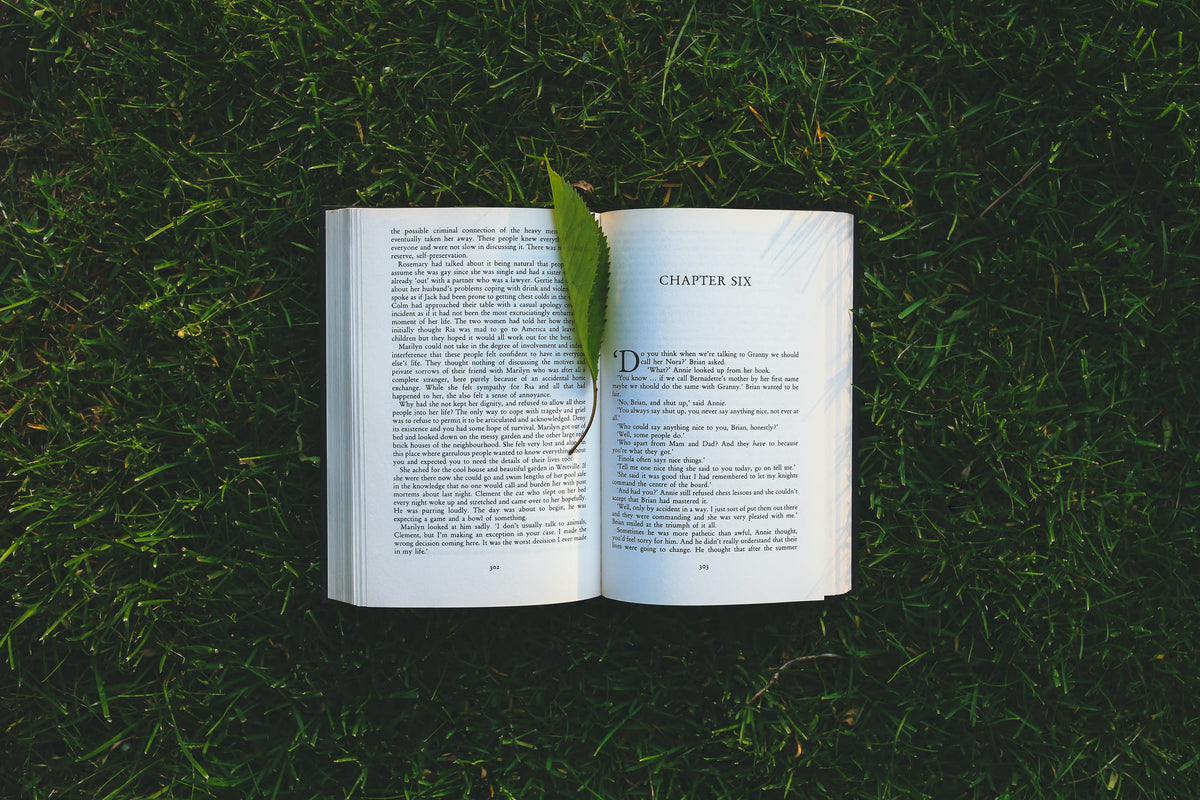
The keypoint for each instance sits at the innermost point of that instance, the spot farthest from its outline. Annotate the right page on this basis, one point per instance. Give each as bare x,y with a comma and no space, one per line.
726,406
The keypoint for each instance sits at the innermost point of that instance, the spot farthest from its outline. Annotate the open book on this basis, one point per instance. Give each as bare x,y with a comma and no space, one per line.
718,470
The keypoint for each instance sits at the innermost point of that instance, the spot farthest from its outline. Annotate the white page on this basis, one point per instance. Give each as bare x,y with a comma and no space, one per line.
471,392
688,442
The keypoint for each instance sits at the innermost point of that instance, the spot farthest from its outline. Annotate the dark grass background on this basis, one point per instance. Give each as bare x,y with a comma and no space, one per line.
1025,180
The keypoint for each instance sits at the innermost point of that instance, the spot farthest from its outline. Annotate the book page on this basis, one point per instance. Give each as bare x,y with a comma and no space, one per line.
726,406
472,392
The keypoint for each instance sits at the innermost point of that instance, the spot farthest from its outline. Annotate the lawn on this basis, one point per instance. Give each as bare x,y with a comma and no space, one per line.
1025,621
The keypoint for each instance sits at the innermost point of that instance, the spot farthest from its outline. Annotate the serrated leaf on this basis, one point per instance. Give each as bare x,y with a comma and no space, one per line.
584,252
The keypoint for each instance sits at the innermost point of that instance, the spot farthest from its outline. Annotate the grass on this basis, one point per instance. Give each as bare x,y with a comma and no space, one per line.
1025,185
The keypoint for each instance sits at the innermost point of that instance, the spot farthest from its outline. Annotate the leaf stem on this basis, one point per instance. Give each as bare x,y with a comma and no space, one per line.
595,399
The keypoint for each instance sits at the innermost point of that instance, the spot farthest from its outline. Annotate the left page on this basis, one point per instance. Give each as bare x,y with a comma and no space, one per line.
449,426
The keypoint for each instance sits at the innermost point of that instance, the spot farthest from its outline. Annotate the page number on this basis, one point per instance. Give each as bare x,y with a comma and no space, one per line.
493,567
704,566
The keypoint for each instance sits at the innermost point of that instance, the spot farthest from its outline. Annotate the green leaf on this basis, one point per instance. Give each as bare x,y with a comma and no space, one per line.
584,252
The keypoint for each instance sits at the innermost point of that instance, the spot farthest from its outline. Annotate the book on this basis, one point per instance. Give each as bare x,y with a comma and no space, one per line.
717,472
